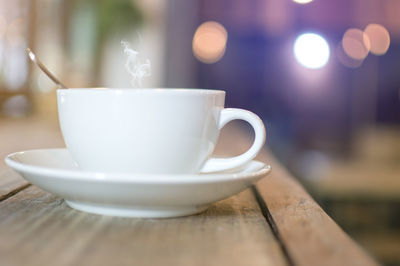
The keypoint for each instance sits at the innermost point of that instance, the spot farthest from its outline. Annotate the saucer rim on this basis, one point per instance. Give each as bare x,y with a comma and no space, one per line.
21,167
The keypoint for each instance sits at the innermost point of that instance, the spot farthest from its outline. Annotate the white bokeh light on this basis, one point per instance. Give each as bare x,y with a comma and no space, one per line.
311,50
302,1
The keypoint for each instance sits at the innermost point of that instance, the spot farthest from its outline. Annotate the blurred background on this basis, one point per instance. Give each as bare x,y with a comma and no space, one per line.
324,75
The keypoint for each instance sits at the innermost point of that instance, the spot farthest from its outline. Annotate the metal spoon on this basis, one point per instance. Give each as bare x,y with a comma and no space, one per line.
36,60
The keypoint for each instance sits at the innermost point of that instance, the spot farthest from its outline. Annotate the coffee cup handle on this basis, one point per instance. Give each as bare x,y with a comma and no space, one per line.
227,115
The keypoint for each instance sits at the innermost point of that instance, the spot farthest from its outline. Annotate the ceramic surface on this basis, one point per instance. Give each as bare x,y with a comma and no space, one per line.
150,131
130,195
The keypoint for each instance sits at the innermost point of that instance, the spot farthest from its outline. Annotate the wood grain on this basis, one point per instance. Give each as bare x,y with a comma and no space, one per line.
11,183
22,134
38,228
309,235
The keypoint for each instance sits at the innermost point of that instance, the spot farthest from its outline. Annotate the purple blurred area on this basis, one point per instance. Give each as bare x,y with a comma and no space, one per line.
314,109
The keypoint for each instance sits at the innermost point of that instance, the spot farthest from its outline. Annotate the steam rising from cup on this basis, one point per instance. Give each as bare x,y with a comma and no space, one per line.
135,68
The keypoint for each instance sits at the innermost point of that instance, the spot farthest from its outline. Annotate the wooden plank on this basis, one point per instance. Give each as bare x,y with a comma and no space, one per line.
11,183
309,235
22,134
38,228
301,220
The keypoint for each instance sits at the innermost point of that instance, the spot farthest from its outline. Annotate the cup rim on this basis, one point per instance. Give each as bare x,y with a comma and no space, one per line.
141,90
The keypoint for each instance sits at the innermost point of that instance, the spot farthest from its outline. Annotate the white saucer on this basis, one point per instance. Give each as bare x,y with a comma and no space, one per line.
130,195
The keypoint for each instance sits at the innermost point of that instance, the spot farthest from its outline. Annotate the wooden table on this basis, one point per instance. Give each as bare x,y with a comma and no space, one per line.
275,222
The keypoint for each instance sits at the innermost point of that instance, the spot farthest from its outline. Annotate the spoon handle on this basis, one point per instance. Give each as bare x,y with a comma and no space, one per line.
36,60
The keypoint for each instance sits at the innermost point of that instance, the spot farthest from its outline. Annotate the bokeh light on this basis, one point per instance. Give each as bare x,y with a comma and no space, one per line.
345,59
302,1
356,44
379,38
311,50
209,42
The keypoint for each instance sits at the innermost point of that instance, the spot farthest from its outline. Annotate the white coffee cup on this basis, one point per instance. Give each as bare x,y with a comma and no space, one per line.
150,131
